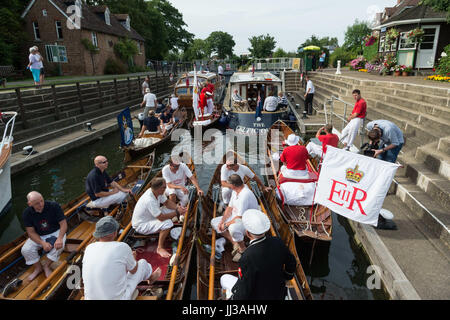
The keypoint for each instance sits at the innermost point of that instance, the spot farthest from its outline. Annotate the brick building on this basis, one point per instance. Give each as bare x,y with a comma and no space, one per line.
55,26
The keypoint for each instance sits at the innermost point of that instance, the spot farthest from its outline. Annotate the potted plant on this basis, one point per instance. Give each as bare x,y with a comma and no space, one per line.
397,70
415,35
406,70
391,35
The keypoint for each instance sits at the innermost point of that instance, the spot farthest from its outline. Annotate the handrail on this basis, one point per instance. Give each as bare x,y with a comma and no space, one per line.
9,140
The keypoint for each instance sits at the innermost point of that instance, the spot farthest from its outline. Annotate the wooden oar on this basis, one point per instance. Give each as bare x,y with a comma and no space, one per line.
215,195
179,248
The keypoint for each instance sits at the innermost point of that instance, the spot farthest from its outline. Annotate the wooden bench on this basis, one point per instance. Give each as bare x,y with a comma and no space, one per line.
8,71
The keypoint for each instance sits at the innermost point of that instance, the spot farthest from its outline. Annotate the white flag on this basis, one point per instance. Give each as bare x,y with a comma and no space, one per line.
354,185
195,95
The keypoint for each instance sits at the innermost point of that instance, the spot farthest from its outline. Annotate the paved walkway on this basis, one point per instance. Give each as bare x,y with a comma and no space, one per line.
420,80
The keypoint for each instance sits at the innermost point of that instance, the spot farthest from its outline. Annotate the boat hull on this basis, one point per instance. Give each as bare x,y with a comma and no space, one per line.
5,182
246,121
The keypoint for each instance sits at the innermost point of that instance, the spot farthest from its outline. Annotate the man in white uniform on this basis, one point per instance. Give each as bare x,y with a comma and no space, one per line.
149,101
175,174
232,167
230,224
110,270
153,213
174,102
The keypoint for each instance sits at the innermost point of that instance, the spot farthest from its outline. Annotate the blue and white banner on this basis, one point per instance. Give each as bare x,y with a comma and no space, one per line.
126,127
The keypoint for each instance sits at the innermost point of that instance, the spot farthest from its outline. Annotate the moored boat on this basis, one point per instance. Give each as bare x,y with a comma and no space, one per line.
79,234
254,88
5,165
313,222
172,282
210,267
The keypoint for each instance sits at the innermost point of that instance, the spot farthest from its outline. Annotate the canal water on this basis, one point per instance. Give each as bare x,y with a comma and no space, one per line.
337,271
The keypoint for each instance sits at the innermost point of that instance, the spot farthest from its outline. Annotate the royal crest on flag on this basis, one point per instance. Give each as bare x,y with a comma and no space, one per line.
354,185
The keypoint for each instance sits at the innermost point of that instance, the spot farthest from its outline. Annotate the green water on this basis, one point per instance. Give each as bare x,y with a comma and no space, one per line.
337,271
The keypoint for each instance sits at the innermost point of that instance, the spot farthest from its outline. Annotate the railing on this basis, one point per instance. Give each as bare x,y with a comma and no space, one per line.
9,125
277,64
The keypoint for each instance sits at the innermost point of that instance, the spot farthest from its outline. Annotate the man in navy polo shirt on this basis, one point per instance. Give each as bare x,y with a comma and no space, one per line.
98,184
46,227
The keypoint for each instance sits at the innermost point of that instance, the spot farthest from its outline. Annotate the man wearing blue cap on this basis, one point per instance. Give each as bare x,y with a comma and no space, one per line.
110,270
260,278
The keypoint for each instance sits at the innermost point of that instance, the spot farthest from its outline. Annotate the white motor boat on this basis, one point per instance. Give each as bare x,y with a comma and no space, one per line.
5,166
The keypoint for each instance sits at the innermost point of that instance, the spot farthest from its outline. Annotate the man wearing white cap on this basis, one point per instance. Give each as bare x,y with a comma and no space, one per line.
260,278
294,156
233,167
230,224
173,102
110,270
175,174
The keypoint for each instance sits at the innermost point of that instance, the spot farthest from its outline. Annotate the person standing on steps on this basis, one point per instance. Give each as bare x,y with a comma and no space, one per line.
355,120
309,96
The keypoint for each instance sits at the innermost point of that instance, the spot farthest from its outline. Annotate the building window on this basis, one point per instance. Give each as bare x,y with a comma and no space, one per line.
127,23
393,45
139,47
405,43
382,43
44,13
56,53
94,39
59,33
37,35
107,17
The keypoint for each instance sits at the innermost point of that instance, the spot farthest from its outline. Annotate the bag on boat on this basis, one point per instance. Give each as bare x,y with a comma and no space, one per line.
145,142
296,193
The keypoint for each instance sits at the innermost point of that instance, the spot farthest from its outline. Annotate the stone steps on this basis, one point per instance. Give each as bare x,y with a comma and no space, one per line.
435,159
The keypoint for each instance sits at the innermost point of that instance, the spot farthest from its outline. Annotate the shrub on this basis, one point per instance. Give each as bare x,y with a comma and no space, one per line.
136,69
112,66
371,52
357,63
343,55
443,67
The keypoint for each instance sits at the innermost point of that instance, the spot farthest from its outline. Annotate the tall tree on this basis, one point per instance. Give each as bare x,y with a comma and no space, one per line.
196,51
322,42
439,5
354,36
280,53
262,46
221,43
178,36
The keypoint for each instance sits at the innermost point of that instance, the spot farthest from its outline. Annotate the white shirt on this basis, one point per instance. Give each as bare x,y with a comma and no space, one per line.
243,201
150,100
271,103
34,59
220,70
148,208
309,84
105,268
178,178
242,172
174,103
144,86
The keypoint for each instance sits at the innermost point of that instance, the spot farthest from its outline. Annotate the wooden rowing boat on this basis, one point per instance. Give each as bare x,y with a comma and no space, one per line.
131,152
79,234
214,117
210,269
319,224
172,282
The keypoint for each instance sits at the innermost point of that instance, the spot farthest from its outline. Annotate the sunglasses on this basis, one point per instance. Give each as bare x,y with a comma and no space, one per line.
175,166
103,162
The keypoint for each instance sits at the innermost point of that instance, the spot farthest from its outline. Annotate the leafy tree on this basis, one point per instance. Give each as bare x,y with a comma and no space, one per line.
439,5
280,53
93,50
221,43
125,49
262,46
178,37
12,34
355,34
196,51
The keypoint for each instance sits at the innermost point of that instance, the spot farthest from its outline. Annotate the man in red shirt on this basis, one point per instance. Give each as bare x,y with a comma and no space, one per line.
294,157
355,120
328,138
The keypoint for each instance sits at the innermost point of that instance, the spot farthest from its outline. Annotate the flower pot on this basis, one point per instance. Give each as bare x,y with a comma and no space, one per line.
405,73
397,73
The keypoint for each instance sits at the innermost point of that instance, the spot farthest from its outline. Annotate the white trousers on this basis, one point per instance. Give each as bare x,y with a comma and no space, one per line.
30,249
184,198
105,202
227,282
210,107
155,226
293,174
226,195
236,229
314,150
350,131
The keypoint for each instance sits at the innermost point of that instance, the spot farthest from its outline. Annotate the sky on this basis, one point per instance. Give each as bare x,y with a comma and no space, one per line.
291,22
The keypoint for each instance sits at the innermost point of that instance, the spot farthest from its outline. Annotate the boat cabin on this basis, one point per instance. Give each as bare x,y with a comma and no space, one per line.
184,87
